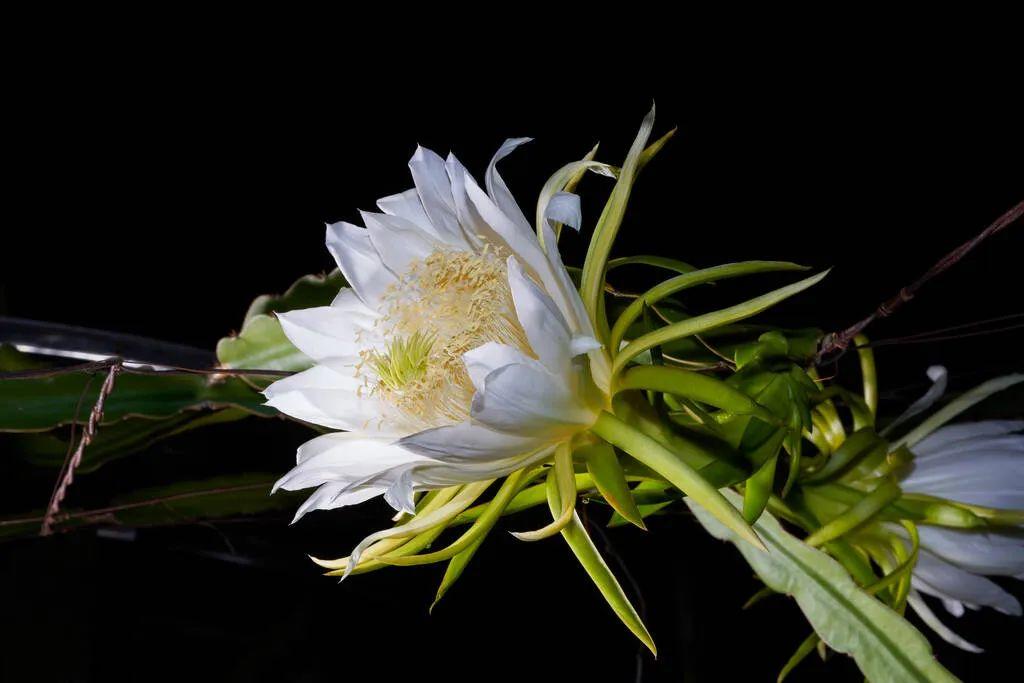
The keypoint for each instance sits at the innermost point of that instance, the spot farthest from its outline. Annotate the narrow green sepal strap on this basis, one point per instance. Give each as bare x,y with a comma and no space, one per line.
856,515
670,466
604,467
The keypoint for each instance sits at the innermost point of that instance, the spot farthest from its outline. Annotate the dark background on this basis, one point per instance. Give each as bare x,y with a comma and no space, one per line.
159,200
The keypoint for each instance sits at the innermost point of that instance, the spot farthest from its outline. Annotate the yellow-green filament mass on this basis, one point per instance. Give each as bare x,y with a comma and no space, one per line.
405,361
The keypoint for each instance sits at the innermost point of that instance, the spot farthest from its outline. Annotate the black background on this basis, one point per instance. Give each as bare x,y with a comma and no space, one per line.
159,199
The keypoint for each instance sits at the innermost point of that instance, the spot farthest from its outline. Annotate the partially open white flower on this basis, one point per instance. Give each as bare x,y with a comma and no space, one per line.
461,353
981,464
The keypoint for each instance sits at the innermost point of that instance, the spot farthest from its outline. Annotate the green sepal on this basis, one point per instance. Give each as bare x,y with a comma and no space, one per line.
805,648
604,468
583,547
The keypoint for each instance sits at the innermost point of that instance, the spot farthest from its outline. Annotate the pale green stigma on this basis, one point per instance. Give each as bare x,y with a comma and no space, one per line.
404,363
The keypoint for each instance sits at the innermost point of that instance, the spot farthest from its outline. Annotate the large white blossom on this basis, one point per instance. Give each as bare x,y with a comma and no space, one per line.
982,464
461,353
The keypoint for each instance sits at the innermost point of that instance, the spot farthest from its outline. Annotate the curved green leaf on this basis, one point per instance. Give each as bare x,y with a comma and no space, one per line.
886,647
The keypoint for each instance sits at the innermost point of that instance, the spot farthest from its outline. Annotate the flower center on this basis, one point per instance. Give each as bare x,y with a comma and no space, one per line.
443,306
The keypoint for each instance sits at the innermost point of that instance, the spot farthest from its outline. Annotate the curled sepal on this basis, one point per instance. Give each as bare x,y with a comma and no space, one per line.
607,473
758,489
688,277
421,522
702,323
561,479
586,552
655,455
478,530
454,570
857,515
805,648
430,502
695,386
857,447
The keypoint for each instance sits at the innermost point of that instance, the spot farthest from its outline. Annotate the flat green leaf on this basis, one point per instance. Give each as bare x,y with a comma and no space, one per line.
886,647
40,404
179,503
112,441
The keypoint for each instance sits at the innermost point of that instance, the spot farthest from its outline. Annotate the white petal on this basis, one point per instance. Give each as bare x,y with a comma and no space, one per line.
345,458
564,207
960,436
406,205
329,332
948,581
981,552
473,227
498,190
398,241
990,479
543,323
954,607
582,343
520,242
332,397
359,261
399,494
928,617
939,377
468,443
435,190
331,496
527,399
571,305
487,358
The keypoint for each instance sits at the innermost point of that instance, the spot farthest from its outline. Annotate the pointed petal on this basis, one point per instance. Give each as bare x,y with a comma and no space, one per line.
468,443
332,397
435,191
543,323
406,205
960,436
498,190
978,551
398,241
527,399
951,582
359,261
939,377
330,332
928,617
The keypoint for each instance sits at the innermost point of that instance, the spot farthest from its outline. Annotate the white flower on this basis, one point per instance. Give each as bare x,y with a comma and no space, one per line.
982,464
461,353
